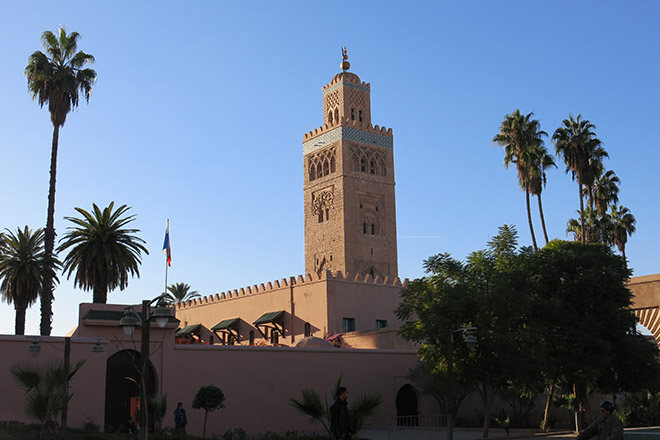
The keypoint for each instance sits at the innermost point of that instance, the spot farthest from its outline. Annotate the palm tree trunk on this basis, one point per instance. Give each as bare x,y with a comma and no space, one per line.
20,321
529,219
100,295
584,237
545,233
49,243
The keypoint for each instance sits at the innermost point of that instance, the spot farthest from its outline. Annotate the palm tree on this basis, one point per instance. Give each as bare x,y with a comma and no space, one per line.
576,141
101,252
521,136
605,192
596,229
623,225
57,78
46,391
180,292
21,260
541,161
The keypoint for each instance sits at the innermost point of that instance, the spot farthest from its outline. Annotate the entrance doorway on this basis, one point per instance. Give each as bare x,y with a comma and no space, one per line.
122,389
406,406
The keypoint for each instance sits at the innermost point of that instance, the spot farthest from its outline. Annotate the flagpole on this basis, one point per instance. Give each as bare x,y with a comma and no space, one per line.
167,251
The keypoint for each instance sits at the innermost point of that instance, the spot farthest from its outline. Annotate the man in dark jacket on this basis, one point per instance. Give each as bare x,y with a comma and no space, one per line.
606,427
180,419
340,424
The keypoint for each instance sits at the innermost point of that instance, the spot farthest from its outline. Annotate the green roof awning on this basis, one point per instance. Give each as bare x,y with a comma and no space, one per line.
188,329
267,318
226,324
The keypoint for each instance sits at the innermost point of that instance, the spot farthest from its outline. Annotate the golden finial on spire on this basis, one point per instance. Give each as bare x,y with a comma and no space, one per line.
345,65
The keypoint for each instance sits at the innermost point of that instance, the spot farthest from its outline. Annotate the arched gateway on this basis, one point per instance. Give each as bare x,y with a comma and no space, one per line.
646,302
122,389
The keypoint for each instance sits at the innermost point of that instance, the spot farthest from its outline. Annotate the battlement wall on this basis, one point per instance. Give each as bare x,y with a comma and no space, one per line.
374,129
277,285
346,77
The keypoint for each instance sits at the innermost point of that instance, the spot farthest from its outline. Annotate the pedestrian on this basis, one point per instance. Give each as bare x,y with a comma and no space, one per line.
180,419
606,427
340,423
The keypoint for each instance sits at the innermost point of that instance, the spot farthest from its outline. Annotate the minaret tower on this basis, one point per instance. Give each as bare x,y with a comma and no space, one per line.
350,218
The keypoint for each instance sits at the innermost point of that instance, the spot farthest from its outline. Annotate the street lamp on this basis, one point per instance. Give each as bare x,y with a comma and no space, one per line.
161,314
471,341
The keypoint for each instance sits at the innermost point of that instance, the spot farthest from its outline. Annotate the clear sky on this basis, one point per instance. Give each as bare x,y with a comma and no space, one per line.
200,108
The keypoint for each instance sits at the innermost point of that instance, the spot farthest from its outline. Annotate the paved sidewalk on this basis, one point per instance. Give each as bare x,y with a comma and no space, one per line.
463,434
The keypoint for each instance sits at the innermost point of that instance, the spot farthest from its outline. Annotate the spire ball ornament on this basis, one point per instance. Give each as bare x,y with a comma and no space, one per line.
345,65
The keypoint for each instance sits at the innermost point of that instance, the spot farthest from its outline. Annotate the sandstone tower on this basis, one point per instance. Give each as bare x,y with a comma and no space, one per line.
350,218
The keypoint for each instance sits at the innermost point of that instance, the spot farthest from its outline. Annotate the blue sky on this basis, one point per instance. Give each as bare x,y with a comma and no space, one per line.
200,108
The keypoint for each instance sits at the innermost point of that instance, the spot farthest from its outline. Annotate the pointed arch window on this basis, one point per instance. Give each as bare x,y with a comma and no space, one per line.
312,173
372,167
337,114
363,165
352,114
332,164
330,117
326,167
360,115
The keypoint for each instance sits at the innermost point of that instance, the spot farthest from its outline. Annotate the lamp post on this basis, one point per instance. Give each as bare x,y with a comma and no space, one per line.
161,315
471,341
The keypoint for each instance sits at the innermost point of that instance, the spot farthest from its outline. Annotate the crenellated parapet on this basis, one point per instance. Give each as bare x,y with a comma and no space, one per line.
346,78
300,280
375,129
347,130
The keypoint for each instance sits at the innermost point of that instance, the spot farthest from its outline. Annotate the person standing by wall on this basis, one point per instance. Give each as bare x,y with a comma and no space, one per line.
340,423
180,419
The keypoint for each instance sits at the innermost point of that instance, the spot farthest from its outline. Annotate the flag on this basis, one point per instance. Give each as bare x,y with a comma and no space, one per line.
166,245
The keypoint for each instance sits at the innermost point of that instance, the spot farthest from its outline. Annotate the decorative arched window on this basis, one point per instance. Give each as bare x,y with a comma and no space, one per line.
363,165
330,117
312,173
372,167
352,114
327,214
320,217
360,115
332,164
326,167
382,169
337,114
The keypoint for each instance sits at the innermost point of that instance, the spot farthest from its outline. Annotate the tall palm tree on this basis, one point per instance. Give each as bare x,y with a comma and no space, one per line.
521,136
101,251
541,161
180,292
605,192
57,78
577,143
623,225
21,260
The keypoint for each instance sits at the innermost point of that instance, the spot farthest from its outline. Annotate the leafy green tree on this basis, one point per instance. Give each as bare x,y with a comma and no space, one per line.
180,292
209,398
583,153
522,139
318,409
46,391
485,292
101,250
587,326
57,78
21,262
